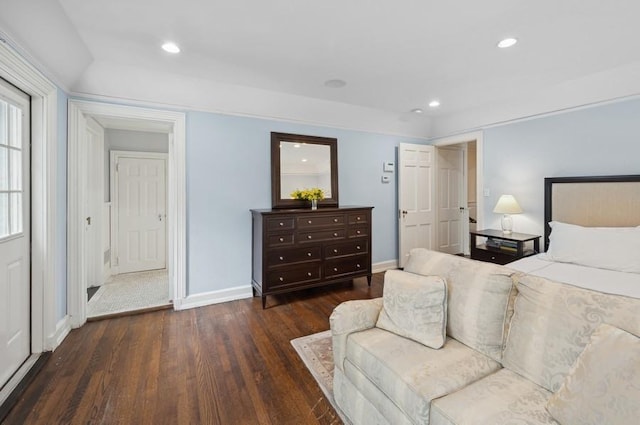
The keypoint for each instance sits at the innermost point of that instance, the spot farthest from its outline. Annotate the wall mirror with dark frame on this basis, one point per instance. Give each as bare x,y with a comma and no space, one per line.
303,162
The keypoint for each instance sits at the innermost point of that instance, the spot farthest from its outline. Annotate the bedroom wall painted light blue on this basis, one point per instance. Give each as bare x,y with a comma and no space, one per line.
602,140
228,173
61,206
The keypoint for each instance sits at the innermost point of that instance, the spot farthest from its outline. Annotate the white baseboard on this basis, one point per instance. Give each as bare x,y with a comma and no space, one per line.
63,327
214,297
384,266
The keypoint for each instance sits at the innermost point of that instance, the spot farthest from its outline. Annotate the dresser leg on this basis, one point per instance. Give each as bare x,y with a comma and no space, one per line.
264,301
369,280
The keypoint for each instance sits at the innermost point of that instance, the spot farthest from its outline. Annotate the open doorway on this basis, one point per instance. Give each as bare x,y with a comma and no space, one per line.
126,186
458,200
132,273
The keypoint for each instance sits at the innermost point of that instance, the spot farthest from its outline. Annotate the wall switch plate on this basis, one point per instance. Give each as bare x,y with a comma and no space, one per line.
389,167
385,179
486,192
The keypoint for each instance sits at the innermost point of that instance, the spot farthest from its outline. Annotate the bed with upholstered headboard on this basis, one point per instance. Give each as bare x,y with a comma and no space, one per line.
592,234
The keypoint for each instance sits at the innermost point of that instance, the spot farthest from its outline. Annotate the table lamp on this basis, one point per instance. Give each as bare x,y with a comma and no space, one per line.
507,205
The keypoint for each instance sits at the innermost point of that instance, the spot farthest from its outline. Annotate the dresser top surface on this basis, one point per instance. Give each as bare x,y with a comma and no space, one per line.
279,211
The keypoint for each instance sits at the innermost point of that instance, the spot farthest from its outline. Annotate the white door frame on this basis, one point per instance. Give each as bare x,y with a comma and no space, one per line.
113,189
176,220
46,330
466,138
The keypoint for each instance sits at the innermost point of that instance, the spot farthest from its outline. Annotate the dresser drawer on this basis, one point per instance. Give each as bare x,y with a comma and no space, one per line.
283,223
279,257
345,266
309,221
357,218
358,231
280,240
293,275
346,248
322,235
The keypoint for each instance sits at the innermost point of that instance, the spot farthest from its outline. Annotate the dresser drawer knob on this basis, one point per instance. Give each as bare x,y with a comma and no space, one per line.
358,247
308,254
281,224
309,274
335,269
358,266
335,235
281,239
335,220
357,232
309,221
281,279
358,218
335,251
308,236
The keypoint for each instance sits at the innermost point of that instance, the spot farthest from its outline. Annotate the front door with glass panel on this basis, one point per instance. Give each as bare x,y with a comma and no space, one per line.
15,237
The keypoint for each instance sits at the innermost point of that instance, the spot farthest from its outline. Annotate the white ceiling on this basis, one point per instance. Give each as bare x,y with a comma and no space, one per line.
394,56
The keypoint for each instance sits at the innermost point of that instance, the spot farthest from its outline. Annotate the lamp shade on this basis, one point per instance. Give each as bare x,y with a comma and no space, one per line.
507,204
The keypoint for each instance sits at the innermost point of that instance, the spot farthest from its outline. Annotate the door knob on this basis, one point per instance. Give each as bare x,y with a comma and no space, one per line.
88,221
404,213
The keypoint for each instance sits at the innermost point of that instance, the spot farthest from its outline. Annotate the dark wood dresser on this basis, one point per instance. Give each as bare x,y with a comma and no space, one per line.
301,248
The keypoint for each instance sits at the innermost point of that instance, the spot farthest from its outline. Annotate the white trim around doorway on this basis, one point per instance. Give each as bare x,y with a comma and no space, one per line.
46,329
77,301
466,138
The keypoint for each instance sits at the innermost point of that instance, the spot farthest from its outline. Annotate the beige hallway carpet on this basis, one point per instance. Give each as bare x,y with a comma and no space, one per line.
316,352
130,292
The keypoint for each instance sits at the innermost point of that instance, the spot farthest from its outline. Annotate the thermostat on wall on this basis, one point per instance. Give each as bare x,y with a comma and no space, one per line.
389,167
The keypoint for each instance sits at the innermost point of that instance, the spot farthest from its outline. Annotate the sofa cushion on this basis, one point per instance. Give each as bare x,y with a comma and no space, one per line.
415,307
552,324
480,298
603,385
503,398
410,374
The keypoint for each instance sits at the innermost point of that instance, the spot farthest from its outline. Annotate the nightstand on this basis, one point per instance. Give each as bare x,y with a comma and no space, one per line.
501,248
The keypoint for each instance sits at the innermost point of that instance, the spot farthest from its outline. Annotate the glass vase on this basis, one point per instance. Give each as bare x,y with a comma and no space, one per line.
314,204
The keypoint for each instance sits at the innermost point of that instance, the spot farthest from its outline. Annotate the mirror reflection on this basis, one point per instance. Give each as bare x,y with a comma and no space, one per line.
304,166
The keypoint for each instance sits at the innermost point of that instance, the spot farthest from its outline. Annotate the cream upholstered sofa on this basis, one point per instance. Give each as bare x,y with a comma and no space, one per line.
514,351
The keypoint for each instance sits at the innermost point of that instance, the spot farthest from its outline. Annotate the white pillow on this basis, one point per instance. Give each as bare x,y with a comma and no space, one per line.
613,248
602,387
415,307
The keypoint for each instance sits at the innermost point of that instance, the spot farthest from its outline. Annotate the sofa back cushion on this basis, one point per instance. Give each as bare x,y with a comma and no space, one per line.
480,298
553,323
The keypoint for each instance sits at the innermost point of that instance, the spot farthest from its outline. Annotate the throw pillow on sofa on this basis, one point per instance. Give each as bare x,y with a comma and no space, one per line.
602,387
414,307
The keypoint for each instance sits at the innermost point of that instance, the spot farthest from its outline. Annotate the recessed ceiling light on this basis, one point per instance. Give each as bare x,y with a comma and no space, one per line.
434,104
335,84
507,42
171,47
304,159
417,111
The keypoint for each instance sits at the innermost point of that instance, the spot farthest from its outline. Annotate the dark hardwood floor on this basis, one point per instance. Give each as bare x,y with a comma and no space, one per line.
229,363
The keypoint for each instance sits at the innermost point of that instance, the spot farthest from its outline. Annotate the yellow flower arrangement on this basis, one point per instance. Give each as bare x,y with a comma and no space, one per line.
315,193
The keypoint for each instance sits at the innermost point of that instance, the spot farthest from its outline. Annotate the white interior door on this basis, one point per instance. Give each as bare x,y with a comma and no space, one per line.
15,237
141,214
416,218
451,202
94,198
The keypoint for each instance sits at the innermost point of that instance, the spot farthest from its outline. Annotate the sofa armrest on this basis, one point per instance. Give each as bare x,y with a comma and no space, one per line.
350,317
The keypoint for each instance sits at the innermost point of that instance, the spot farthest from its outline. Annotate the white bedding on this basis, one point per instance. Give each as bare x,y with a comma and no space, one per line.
608,281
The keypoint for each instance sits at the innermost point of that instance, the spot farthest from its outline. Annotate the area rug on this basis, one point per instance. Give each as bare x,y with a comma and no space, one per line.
316,352
129,292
